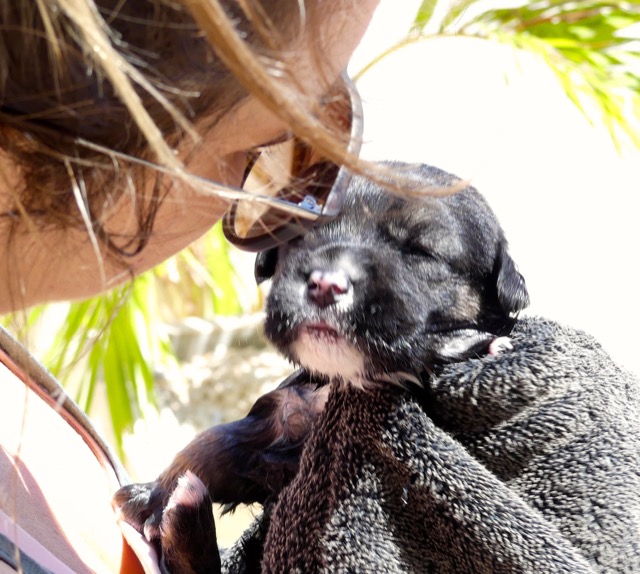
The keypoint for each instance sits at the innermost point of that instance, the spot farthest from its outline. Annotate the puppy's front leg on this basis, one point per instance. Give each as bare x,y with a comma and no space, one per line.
240,462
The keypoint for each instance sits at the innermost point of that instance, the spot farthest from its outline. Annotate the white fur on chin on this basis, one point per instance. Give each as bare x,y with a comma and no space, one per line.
333,357
336,358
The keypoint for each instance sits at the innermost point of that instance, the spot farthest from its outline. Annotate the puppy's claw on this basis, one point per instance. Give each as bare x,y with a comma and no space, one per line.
499,345
150,531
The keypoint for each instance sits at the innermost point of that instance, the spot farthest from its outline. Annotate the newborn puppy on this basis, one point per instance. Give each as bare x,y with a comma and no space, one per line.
393,285
390,288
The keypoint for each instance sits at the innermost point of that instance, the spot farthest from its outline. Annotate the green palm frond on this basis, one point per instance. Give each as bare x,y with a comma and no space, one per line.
118,339
593,47
114,339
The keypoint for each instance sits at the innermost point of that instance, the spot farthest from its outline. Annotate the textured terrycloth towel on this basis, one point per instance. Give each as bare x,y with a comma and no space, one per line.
524,463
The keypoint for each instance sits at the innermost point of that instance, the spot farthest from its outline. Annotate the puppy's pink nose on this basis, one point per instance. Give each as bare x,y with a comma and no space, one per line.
326,287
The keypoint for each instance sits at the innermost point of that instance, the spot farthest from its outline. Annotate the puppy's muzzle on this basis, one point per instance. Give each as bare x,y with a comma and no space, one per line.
328,287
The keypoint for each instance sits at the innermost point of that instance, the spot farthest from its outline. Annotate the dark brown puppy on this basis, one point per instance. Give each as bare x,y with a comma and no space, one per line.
388,289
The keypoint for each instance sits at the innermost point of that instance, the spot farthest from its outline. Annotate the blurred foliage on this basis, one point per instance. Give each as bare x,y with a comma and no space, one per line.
593,47
119,339
115,337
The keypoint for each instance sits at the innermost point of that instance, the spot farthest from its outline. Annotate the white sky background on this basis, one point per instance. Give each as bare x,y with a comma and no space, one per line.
568,201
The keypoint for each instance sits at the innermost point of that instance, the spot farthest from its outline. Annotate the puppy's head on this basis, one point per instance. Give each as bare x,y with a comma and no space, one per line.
393,284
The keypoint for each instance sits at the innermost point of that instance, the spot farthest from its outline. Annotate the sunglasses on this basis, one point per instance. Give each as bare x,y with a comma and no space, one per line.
290,187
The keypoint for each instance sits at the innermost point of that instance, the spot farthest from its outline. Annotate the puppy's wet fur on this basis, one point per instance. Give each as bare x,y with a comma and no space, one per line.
383,293
393,285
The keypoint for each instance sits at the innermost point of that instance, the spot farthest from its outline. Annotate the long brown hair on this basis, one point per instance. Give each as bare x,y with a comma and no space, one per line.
81,78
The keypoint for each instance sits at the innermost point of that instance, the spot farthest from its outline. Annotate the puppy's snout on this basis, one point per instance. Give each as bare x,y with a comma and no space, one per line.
327,287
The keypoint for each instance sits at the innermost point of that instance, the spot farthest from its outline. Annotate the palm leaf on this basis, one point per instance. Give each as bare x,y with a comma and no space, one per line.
590,45
117,339
423,17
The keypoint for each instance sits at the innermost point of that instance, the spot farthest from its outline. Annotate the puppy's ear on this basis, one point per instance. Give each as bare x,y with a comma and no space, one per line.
265,266
512,290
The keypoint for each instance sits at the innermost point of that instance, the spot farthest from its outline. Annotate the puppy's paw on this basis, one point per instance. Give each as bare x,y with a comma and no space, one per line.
499,345
141,506
187,529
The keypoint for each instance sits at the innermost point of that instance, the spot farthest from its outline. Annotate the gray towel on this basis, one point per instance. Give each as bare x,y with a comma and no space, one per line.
528,462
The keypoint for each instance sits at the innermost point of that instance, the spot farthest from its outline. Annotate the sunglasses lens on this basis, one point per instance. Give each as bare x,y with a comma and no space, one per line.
290,186
304,191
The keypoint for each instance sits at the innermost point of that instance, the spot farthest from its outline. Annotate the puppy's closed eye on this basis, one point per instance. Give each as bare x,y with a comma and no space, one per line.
421,249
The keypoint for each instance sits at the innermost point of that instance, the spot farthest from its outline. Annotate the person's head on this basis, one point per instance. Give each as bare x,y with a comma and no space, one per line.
188,85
